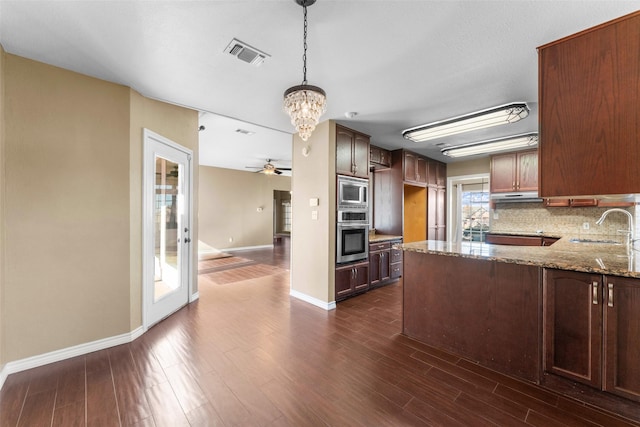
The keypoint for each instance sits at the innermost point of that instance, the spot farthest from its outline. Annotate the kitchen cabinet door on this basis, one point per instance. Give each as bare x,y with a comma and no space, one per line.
436,210
588,111
527,171
352,153
503,173
344,141
622,336
572,331
410,165
421,170
351,279
361,156
514,172
343,283
379,157
415,168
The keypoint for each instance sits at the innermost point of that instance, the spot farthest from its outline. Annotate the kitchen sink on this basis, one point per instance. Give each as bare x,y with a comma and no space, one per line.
604,241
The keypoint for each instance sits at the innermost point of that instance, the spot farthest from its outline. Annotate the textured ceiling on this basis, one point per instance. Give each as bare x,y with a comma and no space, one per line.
396,63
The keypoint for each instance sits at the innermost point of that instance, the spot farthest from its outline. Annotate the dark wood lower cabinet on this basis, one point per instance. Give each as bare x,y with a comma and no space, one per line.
573,325
351,279
379,263
592,330
385,263
622,336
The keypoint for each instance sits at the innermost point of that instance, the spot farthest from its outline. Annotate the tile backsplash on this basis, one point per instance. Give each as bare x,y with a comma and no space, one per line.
563,221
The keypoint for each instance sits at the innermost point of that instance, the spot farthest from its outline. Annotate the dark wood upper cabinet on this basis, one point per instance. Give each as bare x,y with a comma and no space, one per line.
589,111
436,173
415,168
352,153
503,173
514,172
379,157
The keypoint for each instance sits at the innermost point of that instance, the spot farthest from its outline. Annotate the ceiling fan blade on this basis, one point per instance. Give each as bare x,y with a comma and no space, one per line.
277,172
284,169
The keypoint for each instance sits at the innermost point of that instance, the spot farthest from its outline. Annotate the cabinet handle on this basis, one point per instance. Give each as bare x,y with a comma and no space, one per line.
610,298
594,293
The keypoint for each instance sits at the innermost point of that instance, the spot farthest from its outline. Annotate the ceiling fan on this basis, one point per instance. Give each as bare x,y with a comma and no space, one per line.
268,168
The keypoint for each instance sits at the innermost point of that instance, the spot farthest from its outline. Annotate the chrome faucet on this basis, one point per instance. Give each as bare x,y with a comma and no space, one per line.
630,233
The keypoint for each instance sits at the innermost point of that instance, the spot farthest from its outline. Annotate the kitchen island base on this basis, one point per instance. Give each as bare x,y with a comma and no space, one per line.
486,311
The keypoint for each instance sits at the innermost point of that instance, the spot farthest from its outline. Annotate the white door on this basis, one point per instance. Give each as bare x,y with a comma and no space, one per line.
167,270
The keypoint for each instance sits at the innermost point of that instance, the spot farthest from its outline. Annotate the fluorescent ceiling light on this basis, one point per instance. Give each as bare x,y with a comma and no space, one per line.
495,116
529,140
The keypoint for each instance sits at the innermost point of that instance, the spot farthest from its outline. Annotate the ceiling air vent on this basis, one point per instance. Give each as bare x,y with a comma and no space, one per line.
246,53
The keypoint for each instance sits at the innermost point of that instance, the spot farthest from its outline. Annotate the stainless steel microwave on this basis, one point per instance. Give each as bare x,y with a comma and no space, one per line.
352,193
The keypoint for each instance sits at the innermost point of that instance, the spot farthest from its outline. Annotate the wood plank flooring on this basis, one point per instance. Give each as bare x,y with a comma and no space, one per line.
247,354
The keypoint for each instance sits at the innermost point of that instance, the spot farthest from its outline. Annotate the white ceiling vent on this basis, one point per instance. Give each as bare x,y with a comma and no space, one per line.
246,53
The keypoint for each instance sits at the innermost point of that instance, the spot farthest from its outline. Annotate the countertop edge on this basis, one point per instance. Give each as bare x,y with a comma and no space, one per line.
587,260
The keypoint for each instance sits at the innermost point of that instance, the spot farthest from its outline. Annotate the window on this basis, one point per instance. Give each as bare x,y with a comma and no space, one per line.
470,208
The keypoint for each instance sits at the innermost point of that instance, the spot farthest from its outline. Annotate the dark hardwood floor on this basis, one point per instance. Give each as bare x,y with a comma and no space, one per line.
247,354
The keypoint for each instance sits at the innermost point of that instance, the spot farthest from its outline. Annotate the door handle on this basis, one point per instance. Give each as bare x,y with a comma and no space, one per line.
594,293
610,296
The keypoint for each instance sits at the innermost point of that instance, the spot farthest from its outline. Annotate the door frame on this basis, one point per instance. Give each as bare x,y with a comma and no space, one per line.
148,182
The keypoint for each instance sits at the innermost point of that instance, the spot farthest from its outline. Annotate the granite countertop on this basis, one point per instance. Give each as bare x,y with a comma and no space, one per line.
600,258
377,238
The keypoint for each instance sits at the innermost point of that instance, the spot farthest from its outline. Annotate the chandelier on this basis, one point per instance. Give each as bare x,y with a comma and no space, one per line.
305,103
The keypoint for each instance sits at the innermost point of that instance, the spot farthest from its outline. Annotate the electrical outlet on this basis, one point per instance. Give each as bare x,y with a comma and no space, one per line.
314,215
585,225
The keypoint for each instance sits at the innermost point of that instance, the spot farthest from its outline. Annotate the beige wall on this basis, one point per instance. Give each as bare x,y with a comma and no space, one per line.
229,200
67,204
469,167
312,250
2,206
71,271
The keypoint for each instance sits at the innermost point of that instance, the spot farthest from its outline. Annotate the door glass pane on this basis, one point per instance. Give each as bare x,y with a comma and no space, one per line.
475,211
167,215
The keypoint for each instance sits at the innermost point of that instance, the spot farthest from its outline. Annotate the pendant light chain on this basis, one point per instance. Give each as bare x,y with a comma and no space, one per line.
304,54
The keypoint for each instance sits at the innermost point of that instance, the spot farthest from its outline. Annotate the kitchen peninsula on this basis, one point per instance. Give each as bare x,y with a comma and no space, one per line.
566,316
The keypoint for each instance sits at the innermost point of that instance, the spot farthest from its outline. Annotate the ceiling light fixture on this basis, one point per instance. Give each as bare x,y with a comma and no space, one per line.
305,103
528,140
501,115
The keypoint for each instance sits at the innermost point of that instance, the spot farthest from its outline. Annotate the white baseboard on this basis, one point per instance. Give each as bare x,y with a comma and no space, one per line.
67,353
314,301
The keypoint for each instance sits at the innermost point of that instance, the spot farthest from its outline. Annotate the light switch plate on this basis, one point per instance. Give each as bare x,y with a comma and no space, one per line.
314,201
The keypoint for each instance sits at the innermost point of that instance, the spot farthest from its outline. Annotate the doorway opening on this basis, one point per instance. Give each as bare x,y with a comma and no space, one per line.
281,215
